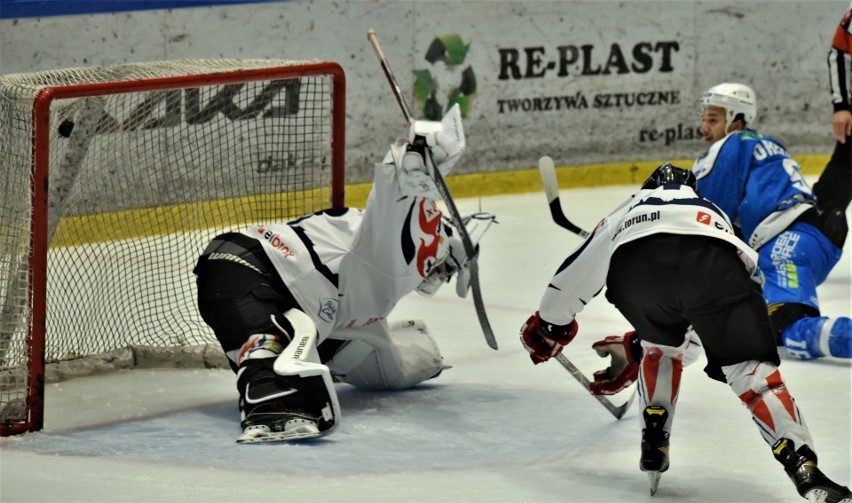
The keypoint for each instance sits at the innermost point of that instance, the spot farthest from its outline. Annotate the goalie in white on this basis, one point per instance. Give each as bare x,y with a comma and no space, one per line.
296,306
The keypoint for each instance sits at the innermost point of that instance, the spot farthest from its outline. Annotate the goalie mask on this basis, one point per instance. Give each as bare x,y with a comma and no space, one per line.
738,101
668,173
445,265
456,262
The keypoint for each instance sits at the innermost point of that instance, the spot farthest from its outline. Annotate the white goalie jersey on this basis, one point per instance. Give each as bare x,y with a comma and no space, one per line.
669,209
348,267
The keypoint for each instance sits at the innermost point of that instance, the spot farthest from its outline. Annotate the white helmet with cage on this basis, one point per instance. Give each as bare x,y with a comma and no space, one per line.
734,98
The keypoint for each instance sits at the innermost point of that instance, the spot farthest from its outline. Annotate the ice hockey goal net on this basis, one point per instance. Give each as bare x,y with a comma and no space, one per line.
115,178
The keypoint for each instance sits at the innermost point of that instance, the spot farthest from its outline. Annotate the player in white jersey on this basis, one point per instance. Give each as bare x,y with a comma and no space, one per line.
298,305
670,260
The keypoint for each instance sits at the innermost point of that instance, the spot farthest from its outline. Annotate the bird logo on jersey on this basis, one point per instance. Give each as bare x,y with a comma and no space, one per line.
421,242
327,310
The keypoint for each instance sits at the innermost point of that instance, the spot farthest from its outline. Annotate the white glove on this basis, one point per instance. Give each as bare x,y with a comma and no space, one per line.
445,141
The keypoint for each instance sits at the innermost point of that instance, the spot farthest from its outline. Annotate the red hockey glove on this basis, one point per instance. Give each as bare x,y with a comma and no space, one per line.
624,369
545,340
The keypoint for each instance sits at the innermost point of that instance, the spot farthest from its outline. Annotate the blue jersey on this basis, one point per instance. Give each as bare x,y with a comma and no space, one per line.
794,263
753,179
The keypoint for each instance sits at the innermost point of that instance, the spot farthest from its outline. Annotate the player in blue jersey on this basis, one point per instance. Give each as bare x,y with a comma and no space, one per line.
753,179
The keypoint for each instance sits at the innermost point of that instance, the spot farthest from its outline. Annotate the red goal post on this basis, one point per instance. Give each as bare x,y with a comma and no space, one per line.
117,177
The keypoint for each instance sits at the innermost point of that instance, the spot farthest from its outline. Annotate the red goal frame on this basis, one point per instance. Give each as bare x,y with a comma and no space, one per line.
41,120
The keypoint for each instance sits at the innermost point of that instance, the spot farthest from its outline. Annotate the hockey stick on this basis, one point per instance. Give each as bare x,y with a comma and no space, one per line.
469,248
551,190
616,410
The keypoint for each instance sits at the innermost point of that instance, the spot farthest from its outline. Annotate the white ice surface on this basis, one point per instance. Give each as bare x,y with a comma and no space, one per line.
493,428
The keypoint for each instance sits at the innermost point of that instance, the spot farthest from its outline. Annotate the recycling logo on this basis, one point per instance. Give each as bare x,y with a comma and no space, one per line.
432,101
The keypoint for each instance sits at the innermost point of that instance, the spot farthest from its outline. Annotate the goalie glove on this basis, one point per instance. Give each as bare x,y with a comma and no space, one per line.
626,352
544,340
445,141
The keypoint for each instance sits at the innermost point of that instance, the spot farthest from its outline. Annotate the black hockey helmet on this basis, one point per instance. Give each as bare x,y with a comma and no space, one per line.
668,173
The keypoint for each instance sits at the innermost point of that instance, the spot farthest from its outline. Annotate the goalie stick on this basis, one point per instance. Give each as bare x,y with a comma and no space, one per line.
551,190
469,248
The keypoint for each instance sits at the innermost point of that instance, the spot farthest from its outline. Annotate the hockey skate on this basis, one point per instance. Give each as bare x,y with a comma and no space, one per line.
278,408
283,428
810,482
655,445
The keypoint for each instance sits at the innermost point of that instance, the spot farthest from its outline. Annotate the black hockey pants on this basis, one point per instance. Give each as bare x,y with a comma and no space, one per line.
664,283
238,291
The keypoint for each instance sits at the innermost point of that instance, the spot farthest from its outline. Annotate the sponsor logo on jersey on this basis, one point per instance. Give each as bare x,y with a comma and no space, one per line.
327,310
276,241
707,219
782,253
638,219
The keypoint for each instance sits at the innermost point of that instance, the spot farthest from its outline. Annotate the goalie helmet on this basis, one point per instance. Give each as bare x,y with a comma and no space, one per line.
735,99
668,173
455,261
444,266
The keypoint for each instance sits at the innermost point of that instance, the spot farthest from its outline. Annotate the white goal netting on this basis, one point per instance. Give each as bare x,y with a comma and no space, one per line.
145,163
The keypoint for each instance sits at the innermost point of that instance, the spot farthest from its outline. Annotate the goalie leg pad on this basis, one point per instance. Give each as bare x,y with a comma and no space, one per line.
382,356
303,336
292,391
281,408
760,387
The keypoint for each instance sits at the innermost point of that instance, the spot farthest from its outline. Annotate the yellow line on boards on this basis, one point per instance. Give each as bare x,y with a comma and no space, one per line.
138,223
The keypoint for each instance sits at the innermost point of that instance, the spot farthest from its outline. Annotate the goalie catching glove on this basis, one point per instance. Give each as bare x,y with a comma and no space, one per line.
626,352
544,340
445,143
